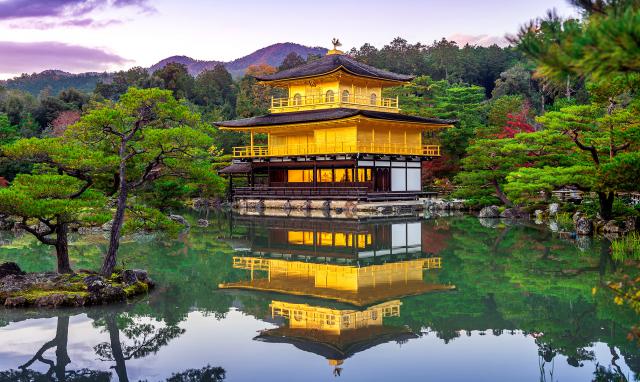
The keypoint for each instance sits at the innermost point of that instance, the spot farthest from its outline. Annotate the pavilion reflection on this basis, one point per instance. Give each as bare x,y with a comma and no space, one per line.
335,334
351,262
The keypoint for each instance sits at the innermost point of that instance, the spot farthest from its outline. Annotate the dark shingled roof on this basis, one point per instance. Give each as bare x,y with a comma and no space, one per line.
325,115
236,168
330,63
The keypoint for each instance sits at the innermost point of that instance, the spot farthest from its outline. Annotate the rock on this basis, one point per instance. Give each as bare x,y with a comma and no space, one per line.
91,230
576,217
514,213
583,243
110,294
180,220
15,302
553,226
6,224
614,227
203,223
554,208
584,226
107,226
490,212
10,268
489,223
132,276
201,203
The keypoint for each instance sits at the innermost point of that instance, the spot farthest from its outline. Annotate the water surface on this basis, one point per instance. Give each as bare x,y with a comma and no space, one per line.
446,299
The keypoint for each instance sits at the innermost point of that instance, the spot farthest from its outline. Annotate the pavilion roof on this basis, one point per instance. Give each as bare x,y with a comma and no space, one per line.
331,63
326,115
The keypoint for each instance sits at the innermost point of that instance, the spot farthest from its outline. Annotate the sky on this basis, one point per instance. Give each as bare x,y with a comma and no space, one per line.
106,35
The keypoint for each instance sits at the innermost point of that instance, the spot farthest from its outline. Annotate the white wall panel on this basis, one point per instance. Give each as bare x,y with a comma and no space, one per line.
414,183
398,179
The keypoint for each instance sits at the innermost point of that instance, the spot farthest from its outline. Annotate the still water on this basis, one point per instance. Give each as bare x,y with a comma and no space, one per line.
248,299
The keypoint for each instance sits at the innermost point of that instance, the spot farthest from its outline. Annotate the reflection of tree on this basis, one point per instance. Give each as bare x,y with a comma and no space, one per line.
58,367
143,339
206,374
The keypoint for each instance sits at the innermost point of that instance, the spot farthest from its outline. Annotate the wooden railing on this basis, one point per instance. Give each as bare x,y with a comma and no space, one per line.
322,101
336,148
302,192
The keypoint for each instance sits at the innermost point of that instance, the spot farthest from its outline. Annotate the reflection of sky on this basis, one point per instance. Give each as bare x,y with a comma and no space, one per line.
228,343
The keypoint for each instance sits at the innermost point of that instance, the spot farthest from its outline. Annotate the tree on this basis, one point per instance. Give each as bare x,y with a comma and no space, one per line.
466,105
599,133
214,89
444,56
498,110
57,195
485,169
514,81
254,98
290,61
152,135
176,77
8,133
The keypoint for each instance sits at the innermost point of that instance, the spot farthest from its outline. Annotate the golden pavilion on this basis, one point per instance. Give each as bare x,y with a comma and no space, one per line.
335,136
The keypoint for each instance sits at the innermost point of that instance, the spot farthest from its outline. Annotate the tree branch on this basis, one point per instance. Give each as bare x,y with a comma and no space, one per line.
594,153
42,236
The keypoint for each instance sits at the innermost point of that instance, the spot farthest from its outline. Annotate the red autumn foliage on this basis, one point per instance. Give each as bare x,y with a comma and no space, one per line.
440,167
517,123
62,121
3,182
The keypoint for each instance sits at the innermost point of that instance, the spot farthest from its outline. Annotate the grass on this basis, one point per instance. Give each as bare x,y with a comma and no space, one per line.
564,220
627,247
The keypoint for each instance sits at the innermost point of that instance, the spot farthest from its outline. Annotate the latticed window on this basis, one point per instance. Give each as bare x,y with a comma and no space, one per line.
345,96
330,97
374,99
297,99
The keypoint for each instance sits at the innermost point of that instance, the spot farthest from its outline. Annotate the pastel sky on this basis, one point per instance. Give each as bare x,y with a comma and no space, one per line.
98,35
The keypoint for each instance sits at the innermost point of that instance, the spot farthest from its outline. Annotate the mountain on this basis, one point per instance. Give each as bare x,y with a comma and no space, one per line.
55,81
272,55
193,66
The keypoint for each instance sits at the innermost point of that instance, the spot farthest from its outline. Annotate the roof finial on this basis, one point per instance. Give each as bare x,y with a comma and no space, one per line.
336,43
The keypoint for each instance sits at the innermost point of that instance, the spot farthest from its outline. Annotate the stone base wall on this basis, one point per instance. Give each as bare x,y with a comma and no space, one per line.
326,208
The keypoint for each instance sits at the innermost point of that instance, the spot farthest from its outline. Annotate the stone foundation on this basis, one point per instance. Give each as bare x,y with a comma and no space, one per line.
327,208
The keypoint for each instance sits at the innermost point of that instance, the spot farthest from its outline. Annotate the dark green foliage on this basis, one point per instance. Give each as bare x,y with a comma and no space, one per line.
292,60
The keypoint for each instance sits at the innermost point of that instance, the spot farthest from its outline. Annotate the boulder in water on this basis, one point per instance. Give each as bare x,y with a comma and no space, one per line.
490,212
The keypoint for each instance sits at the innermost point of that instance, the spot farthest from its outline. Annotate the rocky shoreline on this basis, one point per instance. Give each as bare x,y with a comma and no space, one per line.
52,290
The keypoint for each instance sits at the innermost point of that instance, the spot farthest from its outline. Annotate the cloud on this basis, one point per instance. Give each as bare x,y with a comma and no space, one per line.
480,40
46,14
84,22
18,57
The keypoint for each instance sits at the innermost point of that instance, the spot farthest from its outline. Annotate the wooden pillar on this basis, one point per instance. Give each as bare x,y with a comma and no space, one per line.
251,140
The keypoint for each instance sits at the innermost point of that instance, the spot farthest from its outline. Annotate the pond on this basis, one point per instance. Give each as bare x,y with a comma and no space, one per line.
256,298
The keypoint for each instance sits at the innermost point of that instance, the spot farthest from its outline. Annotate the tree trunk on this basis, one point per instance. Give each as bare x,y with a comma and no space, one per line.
114,241
501,195
62,248
118,219
116,348
606,204
62,355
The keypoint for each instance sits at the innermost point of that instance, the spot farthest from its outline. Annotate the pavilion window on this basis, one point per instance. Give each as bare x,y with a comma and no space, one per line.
297,99
374,99
329,97
300,176
343,174
345,96
364,175
325,175
325,239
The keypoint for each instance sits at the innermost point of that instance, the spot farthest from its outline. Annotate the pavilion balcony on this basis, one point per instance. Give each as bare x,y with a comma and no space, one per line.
299,103
337,148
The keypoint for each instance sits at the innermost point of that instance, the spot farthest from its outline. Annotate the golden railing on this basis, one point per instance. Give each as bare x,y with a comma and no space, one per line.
322,101
336,148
